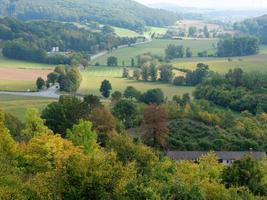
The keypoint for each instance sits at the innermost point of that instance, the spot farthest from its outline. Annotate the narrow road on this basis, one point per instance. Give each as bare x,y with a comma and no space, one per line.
51,92
102,53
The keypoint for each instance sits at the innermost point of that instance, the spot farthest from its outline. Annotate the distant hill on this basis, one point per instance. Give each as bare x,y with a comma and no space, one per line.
122,13
209,13
254,26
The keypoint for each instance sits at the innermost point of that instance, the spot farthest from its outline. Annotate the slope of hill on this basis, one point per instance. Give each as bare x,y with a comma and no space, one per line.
121,13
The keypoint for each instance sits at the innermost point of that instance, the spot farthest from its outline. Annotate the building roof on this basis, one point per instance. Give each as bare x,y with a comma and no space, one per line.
224,155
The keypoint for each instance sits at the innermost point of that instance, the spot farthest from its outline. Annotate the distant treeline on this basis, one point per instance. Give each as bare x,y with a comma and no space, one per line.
31,40
256,27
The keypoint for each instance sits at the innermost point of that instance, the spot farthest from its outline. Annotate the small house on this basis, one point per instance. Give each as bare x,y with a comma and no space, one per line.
224,157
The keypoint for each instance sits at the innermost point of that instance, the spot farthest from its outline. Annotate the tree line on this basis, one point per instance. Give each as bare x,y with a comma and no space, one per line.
31,40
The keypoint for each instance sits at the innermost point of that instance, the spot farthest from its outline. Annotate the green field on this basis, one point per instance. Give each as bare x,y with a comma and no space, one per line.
222,65
158,47
17,86
122,32
93,77
17,105
7,63
157,30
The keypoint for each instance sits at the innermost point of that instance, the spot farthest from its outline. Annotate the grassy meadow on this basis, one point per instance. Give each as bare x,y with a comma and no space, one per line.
8,63
17,85
158,47
93,77
157,30
122,32
17,105
222,65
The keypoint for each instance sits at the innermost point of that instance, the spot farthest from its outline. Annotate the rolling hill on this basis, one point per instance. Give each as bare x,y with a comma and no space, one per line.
122,13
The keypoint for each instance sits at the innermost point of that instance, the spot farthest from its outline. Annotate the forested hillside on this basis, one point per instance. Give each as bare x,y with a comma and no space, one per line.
31,40
122,13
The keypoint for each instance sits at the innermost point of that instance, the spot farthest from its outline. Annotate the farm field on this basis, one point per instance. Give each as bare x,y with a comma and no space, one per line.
17,105
17,75
157,30
158,47
12,79
8,63
222,65
93,77
122,32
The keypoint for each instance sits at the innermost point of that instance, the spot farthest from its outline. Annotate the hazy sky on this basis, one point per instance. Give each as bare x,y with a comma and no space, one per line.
213,3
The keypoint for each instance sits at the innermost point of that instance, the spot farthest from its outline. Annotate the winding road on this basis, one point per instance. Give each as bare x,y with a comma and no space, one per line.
51,92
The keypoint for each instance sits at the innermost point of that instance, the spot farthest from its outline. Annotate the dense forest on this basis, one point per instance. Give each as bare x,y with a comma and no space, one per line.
123,13
31,40
92,156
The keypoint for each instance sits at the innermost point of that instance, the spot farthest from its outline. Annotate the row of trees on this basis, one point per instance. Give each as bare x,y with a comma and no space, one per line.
177,51
165,73
238,46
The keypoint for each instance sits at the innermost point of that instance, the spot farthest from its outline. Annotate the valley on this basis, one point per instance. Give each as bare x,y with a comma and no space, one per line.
132,100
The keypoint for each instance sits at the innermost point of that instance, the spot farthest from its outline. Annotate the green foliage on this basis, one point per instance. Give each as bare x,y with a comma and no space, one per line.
116,96
126,111
34,125
83,135
237,90
132,93
31,40
62,115
153,96
8,147
50,167
13,124
166,73
172,51
105,88
238,46
112,61
131,15
69,79
40,83
247,173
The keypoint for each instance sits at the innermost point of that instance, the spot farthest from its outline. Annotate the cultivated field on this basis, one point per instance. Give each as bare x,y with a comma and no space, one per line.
93,77
16,75
12,79
17,105
158,47
199,24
